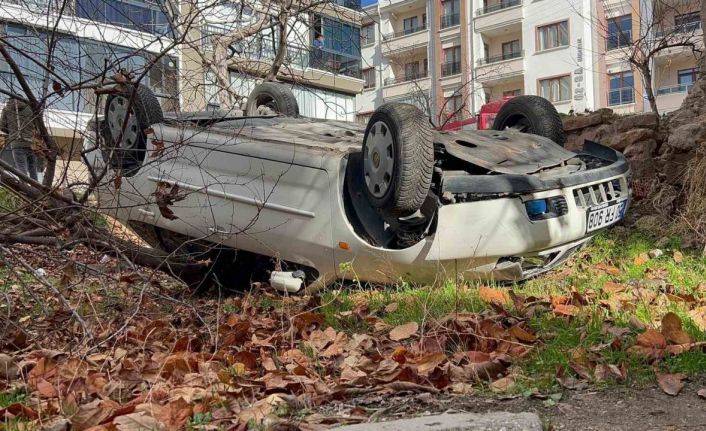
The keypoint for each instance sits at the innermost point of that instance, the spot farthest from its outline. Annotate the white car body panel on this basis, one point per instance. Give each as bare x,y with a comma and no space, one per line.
282,196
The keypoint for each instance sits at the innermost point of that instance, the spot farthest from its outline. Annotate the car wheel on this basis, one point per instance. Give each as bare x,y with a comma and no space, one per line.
272,96
398,159
531,114
125,146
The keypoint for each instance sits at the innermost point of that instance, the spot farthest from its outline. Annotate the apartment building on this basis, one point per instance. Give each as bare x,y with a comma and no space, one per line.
125,33
324,81
675,69
451,57
415,51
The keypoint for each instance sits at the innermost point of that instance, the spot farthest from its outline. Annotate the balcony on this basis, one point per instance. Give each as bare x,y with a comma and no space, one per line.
450,68
405,86
495,70
670,98
405,42
406,78
393,5
325,68
498,15
621,96
499,58
498,7
679,31
450,20
405,32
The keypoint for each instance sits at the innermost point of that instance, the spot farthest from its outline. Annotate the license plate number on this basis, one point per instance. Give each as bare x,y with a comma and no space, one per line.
601,217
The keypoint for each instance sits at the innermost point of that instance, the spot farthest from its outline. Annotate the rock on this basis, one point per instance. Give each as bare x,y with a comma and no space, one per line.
647,120
688,136
623,140
641,159
457,422
8,368
655,253
579,122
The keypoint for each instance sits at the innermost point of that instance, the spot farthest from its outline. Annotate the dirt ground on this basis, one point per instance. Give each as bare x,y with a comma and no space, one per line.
621,408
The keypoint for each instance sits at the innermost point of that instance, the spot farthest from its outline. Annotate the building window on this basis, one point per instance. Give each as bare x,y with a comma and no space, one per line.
136,14
76,60
512,93
687,22
622,88
410,25
369,78
686,78
340,53
553,35
367,34
451,13
511,49
619,32
411,71
452,61
454,107
556,89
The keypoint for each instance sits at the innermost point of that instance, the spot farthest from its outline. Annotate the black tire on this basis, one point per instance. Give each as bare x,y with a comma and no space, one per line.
412,159
146,111
531,114
275,96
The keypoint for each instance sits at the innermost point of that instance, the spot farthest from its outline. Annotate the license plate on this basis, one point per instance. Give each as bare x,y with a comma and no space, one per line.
601,217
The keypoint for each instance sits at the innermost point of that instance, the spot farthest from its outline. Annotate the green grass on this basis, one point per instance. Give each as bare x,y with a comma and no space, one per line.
562,340
414,303
8,201
11,397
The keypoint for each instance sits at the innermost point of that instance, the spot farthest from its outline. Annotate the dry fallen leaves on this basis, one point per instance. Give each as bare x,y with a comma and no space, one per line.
402,332
671,384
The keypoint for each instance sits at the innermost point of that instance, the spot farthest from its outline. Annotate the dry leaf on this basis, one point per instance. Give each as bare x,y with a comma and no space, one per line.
652,339
503,385
671,384
494,296
698,316
427,363
522,335
701,393
402,332
391,307
641,259
672,329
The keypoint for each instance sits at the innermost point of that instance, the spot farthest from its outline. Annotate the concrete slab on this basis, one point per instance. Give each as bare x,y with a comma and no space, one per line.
494,421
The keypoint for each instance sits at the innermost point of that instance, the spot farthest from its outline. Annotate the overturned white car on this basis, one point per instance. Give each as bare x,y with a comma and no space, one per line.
332,200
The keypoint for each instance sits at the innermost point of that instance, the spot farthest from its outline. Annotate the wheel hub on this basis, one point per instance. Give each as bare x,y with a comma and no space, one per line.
378,159
117,112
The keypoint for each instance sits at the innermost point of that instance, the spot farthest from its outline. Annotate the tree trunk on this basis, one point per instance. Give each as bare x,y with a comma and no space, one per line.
647,82
281,47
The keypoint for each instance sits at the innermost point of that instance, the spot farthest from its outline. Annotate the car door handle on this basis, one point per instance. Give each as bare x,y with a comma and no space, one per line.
219,231
146,213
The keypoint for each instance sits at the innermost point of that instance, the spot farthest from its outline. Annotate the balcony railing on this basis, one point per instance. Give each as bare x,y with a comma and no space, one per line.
405,32
498,6
681,88
503,57
405,78
621,96
350,4
450,20
691,27
618,40
452,68
303,58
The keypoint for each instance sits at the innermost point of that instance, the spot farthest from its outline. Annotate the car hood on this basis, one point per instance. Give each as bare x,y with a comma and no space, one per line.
505,152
